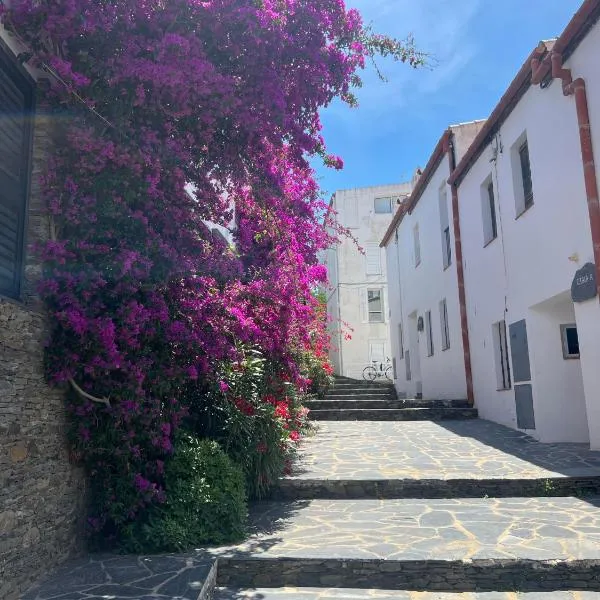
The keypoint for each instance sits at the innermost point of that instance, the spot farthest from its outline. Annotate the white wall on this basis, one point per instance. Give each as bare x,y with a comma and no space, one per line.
553,376
350,281
584,63
535,256
417,289
413,290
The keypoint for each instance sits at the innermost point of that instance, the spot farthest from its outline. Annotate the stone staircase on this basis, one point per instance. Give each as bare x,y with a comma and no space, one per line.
354,400
412,499
437,509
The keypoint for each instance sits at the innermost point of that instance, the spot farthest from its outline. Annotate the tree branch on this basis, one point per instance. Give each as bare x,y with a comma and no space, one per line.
84,394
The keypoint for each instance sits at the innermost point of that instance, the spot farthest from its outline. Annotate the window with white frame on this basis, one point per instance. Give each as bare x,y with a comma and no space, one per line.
488,211
383,206
501,359
375,305
445,227
444,324
522,179
570,341
429,333
373,259
526,174
417,245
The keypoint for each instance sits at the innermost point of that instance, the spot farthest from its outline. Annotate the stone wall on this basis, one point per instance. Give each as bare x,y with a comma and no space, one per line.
41,494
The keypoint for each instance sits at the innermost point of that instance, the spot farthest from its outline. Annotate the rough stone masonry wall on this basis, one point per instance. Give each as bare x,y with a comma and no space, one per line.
41,494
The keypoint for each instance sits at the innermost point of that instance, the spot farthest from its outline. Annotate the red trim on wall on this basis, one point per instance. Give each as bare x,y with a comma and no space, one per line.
460,274
409,205
589,168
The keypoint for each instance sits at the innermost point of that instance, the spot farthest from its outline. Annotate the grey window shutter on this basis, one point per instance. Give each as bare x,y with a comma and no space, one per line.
16,100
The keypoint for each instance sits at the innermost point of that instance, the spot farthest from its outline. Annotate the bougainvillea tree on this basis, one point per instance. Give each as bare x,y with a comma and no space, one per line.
148,97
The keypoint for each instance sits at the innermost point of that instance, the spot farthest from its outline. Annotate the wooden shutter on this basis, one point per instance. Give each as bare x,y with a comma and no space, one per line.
16,100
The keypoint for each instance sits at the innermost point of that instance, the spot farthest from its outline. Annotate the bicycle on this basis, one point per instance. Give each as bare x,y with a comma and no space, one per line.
378,370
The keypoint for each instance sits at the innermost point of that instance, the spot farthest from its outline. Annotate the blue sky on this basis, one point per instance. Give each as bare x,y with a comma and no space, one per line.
479,46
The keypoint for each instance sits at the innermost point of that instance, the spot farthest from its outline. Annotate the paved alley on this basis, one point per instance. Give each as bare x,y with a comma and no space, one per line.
407,507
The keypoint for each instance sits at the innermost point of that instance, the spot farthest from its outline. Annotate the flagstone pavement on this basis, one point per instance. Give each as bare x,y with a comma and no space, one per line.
373,532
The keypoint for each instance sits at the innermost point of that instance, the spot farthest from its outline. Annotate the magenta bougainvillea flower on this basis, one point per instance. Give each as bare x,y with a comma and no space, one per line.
147,99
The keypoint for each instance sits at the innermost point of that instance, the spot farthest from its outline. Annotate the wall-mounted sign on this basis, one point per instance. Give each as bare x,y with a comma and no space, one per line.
584,286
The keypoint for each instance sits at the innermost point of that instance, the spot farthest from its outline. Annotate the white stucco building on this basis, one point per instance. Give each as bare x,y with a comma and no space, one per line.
358,295
425,325
529,219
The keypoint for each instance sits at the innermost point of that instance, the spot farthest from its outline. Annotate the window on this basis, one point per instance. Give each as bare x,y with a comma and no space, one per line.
526,174
417,244
400,341
488,212
375,305
444,323
447,247
522,179
570,341
373,258
407,365
501,356
16,103
445,228
383,206
429,333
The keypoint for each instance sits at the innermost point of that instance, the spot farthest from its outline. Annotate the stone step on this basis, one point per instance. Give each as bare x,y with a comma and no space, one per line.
359,383
306,593
358,395
367,403
356,391
462,544
402,414
473,449
493,576
381,390
393,489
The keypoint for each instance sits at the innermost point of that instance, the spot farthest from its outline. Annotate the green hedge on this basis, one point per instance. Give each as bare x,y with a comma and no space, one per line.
206,502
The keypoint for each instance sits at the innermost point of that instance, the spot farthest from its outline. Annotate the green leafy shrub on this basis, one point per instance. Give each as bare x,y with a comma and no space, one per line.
206,501
256,416
317,368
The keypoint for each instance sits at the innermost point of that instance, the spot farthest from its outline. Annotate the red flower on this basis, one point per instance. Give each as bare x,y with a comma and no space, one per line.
294,436
244,407
282,410
261,448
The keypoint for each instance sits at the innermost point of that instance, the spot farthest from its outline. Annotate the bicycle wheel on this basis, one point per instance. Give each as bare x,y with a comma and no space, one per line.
389,373
369,373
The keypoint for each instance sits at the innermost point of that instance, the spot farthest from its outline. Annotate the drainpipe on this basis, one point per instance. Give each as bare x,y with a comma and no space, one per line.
460,273
577,89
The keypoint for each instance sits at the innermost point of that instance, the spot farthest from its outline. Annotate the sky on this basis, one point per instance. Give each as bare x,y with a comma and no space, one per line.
478,47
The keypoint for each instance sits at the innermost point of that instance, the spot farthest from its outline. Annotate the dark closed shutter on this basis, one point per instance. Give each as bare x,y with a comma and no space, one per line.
16,101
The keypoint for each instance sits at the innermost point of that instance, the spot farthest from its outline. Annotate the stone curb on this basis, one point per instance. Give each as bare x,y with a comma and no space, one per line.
370,403
417,575
393,489
401,414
